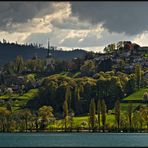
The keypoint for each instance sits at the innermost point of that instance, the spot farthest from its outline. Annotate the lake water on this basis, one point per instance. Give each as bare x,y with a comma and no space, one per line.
73,139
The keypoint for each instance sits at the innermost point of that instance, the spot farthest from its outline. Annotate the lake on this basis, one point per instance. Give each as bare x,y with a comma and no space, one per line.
73,139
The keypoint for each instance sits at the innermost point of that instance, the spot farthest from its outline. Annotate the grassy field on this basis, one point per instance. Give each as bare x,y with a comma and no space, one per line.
28,95
20,100
77,121
124,106
138,95
8,96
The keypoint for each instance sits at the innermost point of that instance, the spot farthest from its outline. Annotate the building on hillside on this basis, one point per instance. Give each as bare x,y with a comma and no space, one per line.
9,90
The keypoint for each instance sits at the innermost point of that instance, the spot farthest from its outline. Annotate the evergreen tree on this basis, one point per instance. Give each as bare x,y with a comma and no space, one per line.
19,62
138,75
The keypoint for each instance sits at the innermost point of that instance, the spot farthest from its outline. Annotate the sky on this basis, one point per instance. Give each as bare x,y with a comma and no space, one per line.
69,25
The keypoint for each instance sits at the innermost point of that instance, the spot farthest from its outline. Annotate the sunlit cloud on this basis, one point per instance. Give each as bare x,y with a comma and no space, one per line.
142,39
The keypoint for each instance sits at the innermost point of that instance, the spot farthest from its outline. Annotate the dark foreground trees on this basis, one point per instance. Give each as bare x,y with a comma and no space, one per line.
25,120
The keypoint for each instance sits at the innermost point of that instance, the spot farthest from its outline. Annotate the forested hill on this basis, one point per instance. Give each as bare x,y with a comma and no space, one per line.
9,51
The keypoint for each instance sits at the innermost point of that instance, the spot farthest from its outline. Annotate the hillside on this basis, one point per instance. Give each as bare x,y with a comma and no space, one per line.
9,51
138,95
135,98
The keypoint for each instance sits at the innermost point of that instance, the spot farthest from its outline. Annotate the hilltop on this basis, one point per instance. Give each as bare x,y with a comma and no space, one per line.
9,51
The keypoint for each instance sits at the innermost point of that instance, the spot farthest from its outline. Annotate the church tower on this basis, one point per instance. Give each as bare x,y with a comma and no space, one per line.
48,52
49,58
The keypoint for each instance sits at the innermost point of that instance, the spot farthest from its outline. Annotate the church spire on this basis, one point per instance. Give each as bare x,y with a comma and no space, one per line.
48,44
48,52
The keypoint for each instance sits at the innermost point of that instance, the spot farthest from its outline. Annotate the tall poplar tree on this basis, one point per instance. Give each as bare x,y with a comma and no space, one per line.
99,112
138,75
130,108
92,113
117,113
65,113
103,113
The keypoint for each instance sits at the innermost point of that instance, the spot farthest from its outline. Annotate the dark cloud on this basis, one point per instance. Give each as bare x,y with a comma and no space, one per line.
20,12
128,17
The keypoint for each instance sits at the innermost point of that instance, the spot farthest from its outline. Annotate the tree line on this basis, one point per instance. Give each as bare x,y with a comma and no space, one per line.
26,120
78,91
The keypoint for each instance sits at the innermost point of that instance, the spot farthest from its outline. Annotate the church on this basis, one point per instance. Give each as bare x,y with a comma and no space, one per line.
50,61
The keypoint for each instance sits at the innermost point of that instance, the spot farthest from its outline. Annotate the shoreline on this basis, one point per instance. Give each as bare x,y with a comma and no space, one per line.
81,131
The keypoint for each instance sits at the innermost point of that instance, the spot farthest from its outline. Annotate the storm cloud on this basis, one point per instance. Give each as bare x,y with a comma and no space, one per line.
87,25
21,12
128,17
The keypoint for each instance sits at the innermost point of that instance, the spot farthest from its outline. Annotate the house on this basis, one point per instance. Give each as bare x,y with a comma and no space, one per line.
9,90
